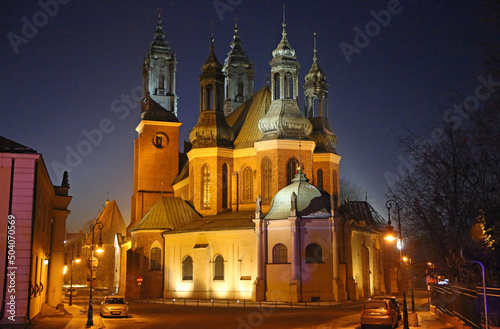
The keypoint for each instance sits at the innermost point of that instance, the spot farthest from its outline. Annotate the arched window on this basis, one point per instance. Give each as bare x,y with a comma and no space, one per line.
314,253
319,178
210,97
288,86
240,88
155,259
205,185
280,254
225,186
276,82
219,268
291,171
266,172
187,268
247,185
161,81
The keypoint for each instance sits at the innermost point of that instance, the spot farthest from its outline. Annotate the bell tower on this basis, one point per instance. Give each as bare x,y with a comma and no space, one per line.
156,149
158,71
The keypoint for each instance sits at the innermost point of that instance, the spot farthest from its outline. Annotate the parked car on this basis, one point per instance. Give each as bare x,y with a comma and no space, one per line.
393,300
114,306
379,312
71,291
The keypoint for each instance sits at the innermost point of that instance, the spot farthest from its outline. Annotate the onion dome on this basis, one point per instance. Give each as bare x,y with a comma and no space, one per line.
211,130
284,49
311,202
322,135
284,120
160,46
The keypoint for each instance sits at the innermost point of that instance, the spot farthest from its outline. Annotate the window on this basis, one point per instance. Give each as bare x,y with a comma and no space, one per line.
219,268
266,172
280,254
225,183
276,82
155,259
161,81
240,88
319,178
247,185
292,167
205,183
210,97
187,268
288,86
314,253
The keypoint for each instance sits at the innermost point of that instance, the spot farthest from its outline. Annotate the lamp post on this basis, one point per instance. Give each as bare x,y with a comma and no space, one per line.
71,275
399,206
90,318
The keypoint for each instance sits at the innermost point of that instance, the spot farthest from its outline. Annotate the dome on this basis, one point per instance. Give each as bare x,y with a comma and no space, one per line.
312,202
212,130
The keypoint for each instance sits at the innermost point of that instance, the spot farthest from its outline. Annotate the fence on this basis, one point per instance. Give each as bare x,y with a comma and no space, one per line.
467,303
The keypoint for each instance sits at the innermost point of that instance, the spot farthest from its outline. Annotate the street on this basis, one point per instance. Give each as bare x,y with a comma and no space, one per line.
158,315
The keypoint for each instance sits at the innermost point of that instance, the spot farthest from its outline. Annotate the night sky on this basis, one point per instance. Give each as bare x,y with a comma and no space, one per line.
80,69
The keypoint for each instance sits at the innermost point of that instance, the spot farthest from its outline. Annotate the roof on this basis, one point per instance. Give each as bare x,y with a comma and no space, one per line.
9,146
240,220
112,221
245,119
167,213
155,112
311,202
363,211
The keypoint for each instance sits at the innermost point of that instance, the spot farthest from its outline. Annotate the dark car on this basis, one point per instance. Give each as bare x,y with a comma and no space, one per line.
71,291
393,300
379,312
114,306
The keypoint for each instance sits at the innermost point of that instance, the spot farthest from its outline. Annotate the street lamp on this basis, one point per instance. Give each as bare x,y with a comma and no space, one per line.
391,237
90,318
71,275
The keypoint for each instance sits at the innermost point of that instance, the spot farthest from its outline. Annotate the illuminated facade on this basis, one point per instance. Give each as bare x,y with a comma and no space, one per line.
235,215
37,211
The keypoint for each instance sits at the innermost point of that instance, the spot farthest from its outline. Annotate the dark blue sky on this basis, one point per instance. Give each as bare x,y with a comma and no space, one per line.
71,74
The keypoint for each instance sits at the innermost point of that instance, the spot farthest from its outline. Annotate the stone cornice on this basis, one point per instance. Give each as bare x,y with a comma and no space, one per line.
210,152
326,157
143,123
289,144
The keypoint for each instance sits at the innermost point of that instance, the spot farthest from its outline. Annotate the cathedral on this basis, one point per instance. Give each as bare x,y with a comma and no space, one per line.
249,209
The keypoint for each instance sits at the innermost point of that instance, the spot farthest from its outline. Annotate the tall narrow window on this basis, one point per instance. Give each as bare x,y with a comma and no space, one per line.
292,167
288,86
187,268
240,88
161,81
245,268
314,253
247,185
225,187
277,86
219,268
266,172
205,181
319,178
210,97
280,254
155,259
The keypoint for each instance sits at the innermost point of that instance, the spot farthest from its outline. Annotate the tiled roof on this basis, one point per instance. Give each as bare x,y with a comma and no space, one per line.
112,221
167,213
363,211
241,220
245,119
9,146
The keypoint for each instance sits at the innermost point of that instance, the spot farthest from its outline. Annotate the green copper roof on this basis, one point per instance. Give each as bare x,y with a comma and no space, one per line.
245,119
167,213
311,201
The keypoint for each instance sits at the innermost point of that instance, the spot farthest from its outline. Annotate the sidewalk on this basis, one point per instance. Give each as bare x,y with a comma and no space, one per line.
75,317
428,320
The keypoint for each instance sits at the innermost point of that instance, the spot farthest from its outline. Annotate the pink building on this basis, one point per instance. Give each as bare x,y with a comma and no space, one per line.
33,216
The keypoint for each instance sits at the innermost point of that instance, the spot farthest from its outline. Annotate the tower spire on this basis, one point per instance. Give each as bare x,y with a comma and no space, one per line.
315,50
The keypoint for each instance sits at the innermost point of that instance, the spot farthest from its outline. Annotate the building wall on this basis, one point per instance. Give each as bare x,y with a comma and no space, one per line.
236,247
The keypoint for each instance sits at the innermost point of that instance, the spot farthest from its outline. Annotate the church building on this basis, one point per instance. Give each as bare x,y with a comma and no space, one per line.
250,209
